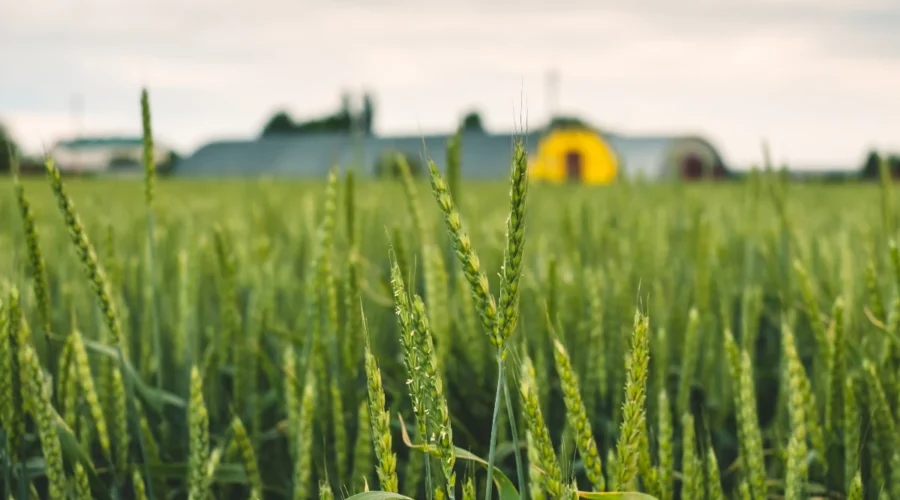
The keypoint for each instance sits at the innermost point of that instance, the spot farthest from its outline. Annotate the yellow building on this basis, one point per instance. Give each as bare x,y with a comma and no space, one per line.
574,155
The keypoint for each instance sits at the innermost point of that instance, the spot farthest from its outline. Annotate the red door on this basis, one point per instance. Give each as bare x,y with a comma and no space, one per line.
692,167
573,166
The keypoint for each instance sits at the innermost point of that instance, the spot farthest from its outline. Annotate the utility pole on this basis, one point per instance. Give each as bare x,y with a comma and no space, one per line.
552,89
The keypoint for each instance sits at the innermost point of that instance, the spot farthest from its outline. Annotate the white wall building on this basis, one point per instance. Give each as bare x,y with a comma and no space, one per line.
103,154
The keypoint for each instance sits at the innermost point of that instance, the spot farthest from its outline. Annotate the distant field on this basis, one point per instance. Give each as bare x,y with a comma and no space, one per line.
238,291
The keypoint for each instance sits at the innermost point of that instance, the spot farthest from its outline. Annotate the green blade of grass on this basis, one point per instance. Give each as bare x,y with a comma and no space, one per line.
378,495
615,495
507,489
156,398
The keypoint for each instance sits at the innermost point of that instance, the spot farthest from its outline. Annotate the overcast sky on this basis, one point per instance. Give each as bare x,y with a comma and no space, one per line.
820,79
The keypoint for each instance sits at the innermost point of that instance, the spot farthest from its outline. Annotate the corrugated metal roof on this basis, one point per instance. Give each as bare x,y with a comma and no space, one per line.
276,156
641,156
658,157
87,142
484,155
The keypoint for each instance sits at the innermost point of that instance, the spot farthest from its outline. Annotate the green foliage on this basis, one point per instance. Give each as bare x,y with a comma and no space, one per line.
389,165
8,149
344,120
471,122
378,495
594,258
569,122
872,165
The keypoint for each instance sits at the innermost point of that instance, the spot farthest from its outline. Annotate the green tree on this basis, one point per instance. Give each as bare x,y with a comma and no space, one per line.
471,122
562,121
280,123
169,164
342,120
8,148
872,166
367,116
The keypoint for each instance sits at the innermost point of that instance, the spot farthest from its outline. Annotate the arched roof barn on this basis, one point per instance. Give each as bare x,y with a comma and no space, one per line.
602,158
668,157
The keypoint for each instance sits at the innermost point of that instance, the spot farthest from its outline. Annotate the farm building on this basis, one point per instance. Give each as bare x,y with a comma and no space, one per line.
559,155
574,155
484,156
104,154
293,156
668,157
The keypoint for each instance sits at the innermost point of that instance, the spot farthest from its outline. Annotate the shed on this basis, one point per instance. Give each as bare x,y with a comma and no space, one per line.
484,156
563,154
278,156
574,155
667,157
101,154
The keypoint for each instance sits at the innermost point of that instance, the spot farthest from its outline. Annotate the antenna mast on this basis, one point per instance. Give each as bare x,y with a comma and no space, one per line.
552,88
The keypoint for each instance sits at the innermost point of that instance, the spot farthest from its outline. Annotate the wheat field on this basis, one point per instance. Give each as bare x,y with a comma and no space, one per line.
428,337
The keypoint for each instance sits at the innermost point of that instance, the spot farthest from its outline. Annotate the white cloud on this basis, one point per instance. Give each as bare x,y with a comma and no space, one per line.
161,72
42,129
817,78
45,128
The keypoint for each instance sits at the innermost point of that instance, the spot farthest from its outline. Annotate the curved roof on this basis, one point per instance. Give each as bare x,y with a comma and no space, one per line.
294,156
652,157
640,156
484,156
87,142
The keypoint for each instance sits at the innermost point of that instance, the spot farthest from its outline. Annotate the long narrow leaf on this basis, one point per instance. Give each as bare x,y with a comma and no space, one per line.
507,489
156,398
378,495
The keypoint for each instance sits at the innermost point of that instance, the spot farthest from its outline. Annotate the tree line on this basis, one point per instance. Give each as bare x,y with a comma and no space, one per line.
346,119
360,120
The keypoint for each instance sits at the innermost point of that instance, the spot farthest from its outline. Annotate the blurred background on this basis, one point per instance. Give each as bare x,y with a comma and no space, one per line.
817,80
